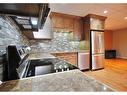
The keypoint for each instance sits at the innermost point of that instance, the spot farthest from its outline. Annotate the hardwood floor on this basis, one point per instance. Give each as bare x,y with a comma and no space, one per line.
114,74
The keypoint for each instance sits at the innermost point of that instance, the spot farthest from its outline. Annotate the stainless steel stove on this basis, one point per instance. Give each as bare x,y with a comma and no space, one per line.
46,66
18,65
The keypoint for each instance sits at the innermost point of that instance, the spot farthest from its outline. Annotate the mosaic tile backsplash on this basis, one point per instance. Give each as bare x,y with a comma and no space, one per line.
62,42
9,34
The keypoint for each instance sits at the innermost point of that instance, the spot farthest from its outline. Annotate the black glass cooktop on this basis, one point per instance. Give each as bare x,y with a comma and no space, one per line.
46,66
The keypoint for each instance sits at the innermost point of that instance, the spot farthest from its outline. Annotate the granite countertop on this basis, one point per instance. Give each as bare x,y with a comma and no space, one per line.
73,80
64,52
83,51
40,55
49,54
80,51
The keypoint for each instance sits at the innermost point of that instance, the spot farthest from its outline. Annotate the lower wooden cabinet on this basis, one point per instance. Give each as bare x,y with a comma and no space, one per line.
70,57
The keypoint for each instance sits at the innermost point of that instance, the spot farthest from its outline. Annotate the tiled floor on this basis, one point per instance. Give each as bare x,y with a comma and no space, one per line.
114,74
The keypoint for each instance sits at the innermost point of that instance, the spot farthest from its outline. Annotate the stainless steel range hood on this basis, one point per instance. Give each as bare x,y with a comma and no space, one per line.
23,14
45,33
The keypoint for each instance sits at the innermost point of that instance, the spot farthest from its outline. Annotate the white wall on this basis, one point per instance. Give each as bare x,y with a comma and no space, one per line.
108,39
120,43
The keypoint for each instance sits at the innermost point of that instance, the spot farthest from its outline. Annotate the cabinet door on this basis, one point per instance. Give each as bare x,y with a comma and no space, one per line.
77,28
57,22
68,23
96,24
69,57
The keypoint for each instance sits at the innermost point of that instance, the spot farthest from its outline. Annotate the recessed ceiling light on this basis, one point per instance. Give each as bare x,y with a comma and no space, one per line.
105,11
125,18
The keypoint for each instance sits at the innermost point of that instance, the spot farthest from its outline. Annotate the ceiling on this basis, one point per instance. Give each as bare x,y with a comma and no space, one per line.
115,16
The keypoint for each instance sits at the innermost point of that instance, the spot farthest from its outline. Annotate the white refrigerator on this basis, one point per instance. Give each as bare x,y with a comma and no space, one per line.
97,50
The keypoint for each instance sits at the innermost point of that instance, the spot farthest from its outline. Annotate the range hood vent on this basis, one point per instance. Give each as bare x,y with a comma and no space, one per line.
27,16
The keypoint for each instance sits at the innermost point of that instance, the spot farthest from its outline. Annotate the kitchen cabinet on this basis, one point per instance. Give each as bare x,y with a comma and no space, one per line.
92,22
96,24
67,23
78,28
57,22
70,57
63,22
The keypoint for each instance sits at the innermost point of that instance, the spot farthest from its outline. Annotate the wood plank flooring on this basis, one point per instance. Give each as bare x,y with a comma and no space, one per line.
114,74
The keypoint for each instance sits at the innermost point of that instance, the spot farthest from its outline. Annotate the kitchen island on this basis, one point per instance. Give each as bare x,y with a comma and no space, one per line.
73,80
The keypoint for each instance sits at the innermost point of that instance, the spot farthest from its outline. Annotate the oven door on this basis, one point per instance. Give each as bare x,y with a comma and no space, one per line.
39,67
23,69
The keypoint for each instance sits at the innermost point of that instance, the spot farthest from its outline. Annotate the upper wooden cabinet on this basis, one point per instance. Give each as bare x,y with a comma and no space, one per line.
62,21
67,23
57,22
96,22
78,28
92,22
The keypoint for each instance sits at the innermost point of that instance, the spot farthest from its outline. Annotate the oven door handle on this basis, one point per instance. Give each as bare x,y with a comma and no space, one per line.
26,70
